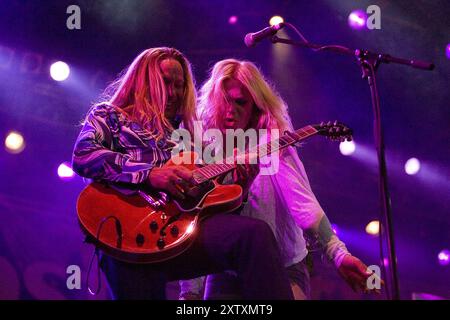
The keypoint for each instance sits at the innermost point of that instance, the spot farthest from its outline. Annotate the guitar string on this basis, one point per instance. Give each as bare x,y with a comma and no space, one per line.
208,172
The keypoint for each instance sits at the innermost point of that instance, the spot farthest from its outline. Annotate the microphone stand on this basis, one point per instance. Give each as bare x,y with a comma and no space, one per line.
369,63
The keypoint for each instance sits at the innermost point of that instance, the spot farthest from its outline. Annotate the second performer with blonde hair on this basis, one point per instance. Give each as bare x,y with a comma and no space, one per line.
237,96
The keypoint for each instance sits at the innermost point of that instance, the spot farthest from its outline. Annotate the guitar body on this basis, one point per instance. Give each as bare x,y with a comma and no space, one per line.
134,229
130,229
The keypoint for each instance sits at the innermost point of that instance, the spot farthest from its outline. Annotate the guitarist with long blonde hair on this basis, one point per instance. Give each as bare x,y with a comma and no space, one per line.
125,142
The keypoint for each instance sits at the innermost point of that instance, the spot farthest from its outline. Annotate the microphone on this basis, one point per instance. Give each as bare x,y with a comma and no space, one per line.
252,38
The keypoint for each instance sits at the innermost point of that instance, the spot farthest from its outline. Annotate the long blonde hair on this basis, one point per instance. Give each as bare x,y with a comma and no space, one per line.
140,92
272,111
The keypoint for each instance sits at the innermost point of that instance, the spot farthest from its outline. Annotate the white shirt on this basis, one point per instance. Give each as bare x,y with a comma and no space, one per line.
286,202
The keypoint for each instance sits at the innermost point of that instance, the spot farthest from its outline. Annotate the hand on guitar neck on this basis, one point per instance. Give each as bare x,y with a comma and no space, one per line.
244,174
175,180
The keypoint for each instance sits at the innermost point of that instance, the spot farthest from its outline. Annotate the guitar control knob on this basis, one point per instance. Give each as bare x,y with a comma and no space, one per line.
153,226
174,231
140,239
160,243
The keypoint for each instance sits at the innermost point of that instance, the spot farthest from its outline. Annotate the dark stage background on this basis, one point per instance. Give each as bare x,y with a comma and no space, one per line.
39,234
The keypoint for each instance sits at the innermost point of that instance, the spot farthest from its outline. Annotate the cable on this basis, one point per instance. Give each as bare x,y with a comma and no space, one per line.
342,48
297,31
97,251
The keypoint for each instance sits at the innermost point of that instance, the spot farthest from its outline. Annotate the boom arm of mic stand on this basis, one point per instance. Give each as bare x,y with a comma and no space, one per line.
381,57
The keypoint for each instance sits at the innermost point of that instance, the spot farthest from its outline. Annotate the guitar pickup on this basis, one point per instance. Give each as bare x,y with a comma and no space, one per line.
155,203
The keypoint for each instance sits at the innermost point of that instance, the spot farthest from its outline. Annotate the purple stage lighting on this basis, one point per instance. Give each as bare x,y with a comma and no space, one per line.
65,171
335,228
347,147
233,20
373,227
276,20
14,142
357,19
444,257
59,71
447,51
412,166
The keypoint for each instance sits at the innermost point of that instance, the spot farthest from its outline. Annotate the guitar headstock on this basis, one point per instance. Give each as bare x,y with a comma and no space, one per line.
335,131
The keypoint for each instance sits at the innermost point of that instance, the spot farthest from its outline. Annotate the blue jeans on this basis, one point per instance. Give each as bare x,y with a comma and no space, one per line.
224,242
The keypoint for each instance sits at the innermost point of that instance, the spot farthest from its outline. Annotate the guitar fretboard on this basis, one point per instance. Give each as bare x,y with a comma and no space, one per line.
214,170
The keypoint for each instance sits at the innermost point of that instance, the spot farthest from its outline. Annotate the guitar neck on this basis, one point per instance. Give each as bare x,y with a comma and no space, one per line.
215,170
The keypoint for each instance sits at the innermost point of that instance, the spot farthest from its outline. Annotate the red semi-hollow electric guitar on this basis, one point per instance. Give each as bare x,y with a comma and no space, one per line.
153,227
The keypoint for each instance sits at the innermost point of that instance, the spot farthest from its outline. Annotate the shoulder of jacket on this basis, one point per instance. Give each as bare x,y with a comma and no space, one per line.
103,109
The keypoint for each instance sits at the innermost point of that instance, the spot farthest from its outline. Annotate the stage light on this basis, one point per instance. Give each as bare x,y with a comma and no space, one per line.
412,166
357,19
373,227
447,51
65,171
347,147
14,142
275,20
233,20
335,228
444,257
59,71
